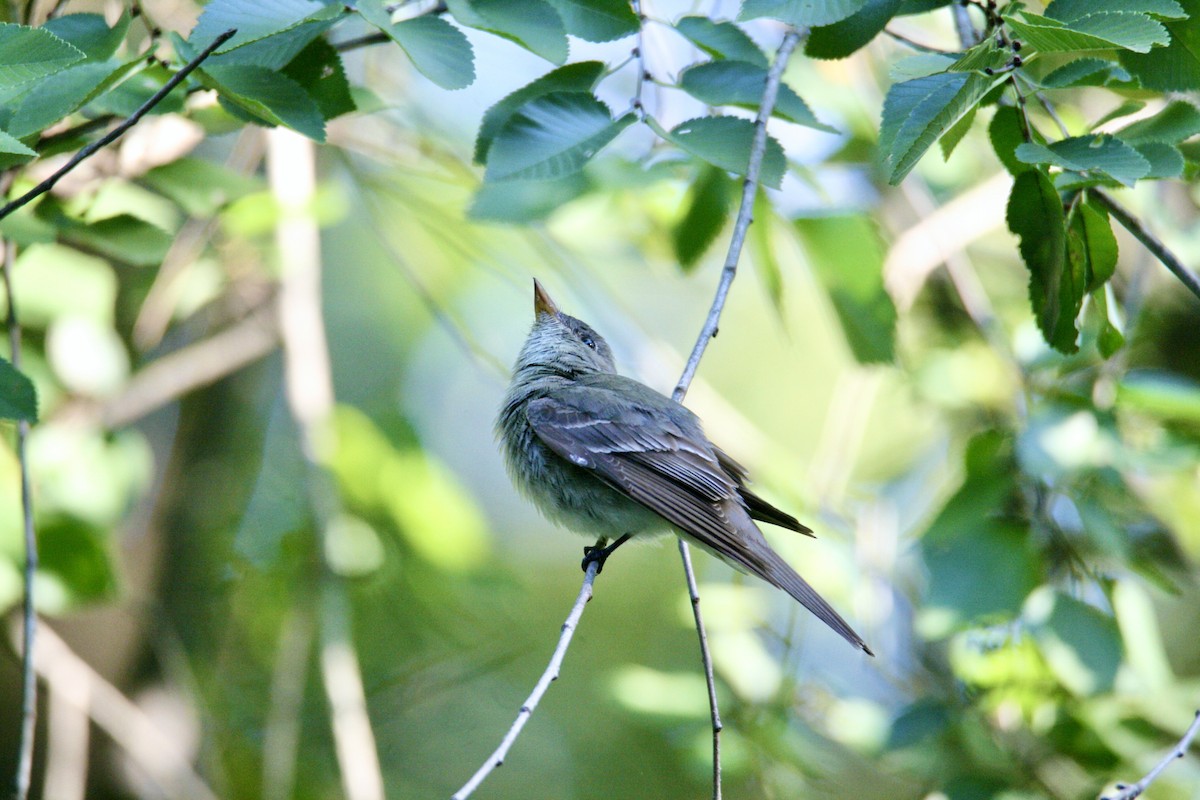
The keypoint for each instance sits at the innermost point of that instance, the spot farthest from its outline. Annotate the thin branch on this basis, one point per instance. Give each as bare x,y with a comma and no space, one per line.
1151,242
361,41
291,168
639,52
1130,792
496,759
29,614
963,25
915,45
118,131
758,150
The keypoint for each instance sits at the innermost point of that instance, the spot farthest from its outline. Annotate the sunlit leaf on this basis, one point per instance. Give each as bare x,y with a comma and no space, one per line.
578,77
1175,67
597,20
739,83
533,24
801,12
721,40
436,48
844,37
551,137
1035,214
725,142
27,54
1102,153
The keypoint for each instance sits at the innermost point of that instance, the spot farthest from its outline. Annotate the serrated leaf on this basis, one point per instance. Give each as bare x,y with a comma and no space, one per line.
1175,67
1165,159
597,20
842,38
707,209
721,40
917,112
256,20
533,24
919,65
18,398
1085,72
739,83
1103,31
801,12
1104,154
1091,245
725,142
13,145
274,51
1035,215
578,77
1123,110
952,137
64,92
1180,120
1069,10
267,95
522,202
551,137
846,254
27,54
439,51
90,33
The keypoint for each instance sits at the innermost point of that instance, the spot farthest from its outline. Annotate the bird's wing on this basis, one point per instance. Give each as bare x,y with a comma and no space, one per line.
657,455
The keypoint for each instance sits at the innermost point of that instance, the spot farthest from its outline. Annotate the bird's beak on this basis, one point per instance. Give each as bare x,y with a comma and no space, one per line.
542,304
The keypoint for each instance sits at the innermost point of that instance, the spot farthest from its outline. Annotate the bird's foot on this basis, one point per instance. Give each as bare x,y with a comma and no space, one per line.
599,552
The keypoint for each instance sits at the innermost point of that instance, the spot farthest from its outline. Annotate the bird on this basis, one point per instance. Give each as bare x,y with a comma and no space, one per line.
607,456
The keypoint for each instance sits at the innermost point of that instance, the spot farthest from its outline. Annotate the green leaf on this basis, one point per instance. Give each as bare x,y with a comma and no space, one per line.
952,137
1103,31
708,203
1102,153
439,51
1091,245
552,136
63,93
1080,643
255,21
1166,395
1069,10
18,398
842,38
11,144
90,33
318,70
124,239
522,202
1109,338
725,142
77,555
740,83
127,96
269,96
801,12
846,254
27,54
1085,72
578,77
1180,120
1035,214
721,40
917,112
919,65
1175,67
533,24
597,20
1166,161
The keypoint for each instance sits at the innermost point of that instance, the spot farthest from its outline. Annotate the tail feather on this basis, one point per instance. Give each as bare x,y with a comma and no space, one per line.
763,511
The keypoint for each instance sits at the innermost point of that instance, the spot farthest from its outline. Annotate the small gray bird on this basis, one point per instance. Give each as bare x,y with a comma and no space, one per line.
602,454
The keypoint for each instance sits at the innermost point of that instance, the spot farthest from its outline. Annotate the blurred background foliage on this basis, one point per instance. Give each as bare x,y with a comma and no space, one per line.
1014,530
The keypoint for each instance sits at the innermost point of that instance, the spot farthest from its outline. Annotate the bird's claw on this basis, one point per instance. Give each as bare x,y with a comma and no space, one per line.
597,553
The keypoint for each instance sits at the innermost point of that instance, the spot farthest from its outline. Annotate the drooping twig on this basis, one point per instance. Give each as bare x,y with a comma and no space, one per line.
1131,792
1151,242
550,675
28,612
741,225
118,131
291,170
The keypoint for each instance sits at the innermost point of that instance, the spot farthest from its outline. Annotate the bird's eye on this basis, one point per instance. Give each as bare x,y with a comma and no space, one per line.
588,340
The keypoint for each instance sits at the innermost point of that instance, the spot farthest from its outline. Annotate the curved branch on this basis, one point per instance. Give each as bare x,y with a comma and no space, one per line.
550,675
1130,792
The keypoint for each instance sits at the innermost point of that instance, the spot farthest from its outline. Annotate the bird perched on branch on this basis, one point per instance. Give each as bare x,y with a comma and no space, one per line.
609,457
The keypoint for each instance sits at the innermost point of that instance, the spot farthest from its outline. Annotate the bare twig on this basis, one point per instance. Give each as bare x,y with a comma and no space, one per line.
758,149
966,29
29,614
361,41
639,54
291,168
118,131
550,675
1130,792
1151,242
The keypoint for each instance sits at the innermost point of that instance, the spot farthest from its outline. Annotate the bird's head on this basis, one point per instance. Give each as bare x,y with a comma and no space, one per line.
561,343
